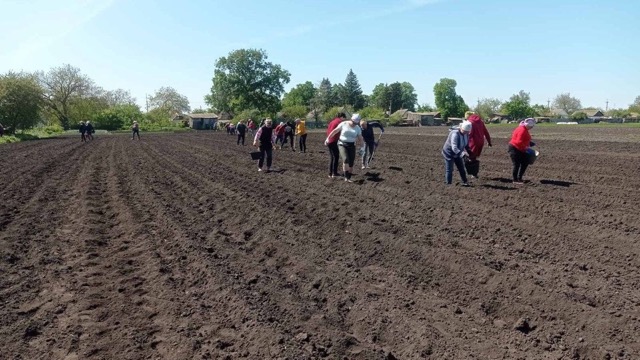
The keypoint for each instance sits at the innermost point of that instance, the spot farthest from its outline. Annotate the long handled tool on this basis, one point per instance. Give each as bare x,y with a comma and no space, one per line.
374,148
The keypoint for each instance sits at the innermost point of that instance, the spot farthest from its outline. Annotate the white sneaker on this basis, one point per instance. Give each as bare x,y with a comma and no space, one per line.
259,169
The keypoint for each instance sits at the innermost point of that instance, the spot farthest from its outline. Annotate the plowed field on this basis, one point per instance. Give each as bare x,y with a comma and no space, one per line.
175,247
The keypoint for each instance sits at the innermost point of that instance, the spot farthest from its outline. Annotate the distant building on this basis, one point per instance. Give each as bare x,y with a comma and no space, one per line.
206,121
592,113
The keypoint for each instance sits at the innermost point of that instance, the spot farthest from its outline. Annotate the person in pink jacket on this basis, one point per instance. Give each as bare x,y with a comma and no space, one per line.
478,134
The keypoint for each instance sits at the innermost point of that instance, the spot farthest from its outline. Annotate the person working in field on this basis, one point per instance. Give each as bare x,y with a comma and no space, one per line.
83,131
264,140
350,134
518,146
332,144
301,133
476,139
241,129
369,140
289,129
1,130
89,130
136,130
455,147
279,131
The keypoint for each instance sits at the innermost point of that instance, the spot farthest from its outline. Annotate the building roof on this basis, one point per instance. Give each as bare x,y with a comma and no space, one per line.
204,116
429,113
591,112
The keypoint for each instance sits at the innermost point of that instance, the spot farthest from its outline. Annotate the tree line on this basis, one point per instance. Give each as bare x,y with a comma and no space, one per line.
244,85
64,96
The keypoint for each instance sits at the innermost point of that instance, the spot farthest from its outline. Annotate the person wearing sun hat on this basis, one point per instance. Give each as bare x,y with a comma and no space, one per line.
453,151
518,146
350,134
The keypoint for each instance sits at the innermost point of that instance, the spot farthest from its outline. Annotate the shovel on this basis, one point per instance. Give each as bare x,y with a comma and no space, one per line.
375,148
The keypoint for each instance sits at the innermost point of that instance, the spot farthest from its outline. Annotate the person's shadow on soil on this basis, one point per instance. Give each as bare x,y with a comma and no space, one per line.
498,187
373,177
557,183
502,180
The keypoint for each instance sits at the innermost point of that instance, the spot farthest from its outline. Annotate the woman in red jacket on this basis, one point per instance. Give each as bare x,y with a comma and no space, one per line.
518,146
478,134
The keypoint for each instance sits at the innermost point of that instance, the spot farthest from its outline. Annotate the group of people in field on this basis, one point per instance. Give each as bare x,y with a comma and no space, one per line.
347,138
87,130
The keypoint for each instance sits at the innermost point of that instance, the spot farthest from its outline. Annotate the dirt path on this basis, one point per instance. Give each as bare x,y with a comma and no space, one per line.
176,247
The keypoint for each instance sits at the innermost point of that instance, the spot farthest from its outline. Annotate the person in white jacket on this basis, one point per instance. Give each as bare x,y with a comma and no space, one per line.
350,134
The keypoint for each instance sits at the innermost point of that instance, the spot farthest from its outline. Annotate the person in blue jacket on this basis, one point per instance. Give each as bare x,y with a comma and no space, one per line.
454,150
369,140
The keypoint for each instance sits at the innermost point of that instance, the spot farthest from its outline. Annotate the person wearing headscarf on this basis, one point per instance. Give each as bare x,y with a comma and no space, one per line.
453,151
478,133
90,130
518,146
350,133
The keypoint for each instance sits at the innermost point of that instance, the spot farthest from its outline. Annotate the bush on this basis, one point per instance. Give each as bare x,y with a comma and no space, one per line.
117,117
579,116
293,112
371,112
253,114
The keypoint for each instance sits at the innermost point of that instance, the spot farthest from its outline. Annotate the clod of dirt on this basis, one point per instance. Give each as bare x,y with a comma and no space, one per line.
500,323
457,311
523,326
390,356
302,337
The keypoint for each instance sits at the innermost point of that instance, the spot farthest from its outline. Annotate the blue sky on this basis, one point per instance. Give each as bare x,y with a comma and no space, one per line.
492,48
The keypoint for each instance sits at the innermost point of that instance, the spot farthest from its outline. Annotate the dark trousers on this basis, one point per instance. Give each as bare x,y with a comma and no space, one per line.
268,152
334,155
368,152
240,139
288,136
280,139
520,162
448,169
136,132
302,143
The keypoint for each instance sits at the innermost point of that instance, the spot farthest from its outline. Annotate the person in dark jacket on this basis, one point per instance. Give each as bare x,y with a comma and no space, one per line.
1,130
83,131
264,140
453,151
135,128
241,129
289,131
90,130
369,140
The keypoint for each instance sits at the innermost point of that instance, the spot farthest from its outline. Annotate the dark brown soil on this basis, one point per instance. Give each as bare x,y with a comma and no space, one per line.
175,247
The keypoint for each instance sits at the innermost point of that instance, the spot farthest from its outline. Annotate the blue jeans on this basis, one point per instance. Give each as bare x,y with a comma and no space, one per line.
448,169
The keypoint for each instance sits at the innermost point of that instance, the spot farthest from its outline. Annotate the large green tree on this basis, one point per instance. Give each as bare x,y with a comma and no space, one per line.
409,96
518,107
246,80
487,107
168,100
380,97
301,94
63,86
635,106
324,98
20,101
118,117
567,103
449,103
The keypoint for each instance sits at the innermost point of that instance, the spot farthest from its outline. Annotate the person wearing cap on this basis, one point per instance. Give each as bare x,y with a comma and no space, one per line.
369,140
453,151
241,129
279,131
301,133
334,152
264,140
136,130
350,133
518,146
90,130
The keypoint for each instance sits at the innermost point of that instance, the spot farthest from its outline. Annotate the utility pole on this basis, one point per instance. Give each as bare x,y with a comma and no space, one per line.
607,107
548,104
